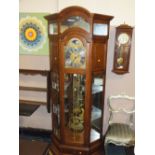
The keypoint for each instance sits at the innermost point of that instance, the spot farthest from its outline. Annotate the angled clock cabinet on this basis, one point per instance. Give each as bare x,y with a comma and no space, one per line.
78,51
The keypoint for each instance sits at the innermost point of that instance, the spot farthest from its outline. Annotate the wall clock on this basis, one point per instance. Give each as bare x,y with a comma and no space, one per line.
122,49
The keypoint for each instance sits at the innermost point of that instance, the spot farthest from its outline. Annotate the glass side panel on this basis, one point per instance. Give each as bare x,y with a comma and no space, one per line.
75,21
74,108
53,28
75,54
55,103
97,105
100,29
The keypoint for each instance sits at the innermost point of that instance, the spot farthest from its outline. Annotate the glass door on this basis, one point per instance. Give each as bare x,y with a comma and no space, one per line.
74,90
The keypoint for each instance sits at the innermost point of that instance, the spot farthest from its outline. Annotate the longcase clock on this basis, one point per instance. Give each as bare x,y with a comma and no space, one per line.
78,50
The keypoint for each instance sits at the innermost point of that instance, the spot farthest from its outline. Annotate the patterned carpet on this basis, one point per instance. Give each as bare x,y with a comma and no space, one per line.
115,150
45,138
112,150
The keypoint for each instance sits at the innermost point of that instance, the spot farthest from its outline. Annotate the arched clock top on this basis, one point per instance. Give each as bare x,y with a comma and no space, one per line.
75,10
75,16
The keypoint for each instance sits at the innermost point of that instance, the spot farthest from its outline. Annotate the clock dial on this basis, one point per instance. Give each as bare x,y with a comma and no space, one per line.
123,38
75,54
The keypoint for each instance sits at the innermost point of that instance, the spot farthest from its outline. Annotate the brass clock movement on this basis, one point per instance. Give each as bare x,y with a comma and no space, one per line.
122,49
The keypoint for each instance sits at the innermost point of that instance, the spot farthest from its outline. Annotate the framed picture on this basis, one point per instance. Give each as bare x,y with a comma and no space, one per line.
33,38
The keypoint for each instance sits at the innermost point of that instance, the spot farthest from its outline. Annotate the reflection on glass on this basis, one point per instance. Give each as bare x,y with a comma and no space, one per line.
96,113
75,54
122,53
75,21
53,28
55,81
55,104
74,108
100,29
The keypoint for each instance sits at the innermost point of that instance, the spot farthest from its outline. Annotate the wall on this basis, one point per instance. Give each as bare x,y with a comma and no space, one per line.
122,10
51,6
38,6
116,84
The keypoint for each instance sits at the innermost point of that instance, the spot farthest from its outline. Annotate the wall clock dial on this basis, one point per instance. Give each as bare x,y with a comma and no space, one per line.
123,38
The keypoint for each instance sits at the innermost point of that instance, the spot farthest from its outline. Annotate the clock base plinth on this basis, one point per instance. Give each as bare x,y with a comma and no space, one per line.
96,148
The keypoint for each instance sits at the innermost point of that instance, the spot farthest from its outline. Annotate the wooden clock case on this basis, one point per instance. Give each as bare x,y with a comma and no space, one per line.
85,77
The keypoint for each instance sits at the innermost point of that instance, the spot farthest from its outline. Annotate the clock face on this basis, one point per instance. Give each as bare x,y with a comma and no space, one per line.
123,38
75,54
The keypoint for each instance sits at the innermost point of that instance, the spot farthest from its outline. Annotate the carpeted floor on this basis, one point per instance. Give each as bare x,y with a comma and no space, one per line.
32,147
36,143
115,150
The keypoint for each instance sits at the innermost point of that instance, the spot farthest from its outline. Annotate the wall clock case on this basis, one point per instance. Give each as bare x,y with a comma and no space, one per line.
123,41
78,50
